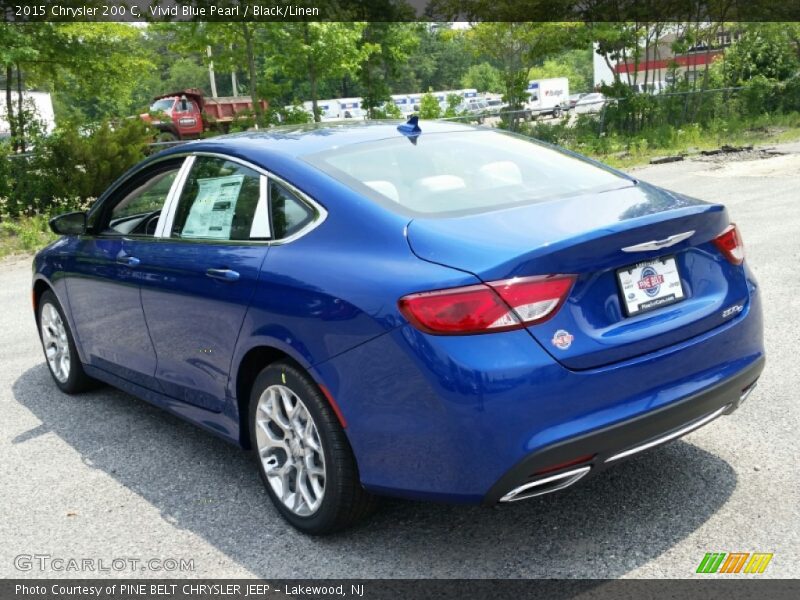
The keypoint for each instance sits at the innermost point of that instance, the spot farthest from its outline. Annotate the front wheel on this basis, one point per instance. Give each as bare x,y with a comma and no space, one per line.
59,347
303,455
166,136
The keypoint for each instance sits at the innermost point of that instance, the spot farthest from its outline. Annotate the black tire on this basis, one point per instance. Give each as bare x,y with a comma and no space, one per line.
77,381
166,136
344,502
556,112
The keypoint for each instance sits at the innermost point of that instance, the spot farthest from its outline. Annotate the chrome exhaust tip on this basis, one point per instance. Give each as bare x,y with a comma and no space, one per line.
747,391
553,483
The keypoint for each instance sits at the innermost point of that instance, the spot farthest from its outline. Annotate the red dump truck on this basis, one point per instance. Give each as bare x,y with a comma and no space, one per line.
187,114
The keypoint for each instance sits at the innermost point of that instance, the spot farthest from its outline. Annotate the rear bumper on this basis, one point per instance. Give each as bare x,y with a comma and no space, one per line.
610,445
466,418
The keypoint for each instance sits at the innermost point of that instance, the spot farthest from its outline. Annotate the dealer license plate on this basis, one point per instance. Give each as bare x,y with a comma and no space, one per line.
649,285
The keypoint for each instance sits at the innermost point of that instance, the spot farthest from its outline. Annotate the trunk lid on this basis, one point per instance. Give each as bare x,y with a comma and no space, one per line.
585,235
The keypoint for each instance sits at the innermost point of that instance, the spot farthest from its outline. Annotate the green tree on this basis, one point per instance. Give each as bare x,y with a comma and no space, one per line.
186,73
439,61
769,50
386,45
483,77
576,65
429,107
515,47
233,44
317,51
92,68
15,48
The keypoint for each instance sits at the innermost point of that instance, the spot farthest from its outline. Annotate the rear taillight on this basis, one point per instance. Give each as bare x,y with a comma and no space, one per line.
729,243
485,308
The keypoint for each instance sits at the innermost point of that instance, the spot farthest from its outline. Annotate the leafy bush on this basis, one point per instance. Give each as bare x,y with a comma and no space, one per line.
69,167
429,107
453,102
25,235
294,115
389,110
244,120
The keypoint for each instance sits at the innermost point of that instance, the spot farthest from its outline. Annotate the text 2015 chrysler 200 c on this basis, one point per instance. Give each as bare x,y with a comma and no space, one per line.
454,314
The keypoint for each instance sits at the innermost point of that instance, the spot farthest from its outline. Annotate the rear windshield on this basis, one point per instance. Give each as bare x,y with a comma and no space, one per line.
462,172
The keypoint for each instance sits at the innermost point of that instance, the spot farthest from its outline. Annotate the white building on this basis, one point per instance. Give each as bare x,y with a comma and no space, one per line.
39,102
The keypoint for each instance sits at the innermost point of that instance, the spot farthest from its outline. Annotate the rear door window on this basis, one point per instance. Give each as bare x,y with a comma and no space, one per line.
227,201
222,200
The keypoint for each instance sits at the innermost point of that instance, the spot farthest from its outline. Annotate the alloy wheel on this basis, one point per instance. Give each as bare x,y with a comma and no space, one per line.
290,450
55,342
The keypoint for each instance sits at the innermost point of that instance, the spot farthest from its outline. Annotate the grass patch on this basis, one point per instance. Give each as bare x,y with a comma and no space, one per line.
583,134
25,235
690,139
641,155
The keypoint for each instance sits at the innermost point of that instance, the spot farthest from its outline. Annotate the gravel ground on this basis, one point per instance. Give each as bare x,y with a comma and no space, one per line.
105,475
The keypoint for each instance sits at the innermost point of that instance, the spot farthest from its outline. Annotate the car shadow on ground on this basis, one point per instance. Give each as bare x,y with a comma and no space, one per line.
603,528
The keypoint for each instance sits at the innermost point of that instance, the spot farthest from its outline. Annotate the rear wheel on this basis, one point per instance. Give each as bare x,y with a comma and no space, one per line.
303,455
59,347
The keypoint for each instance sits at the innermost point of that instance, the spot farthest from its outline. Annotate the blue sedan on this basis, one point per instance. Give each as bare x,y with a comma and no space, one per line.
431,311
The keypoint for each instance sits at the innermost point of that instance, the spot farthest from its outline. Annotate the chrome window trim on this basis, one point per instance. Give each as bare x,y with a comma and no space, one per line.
320,213
168,213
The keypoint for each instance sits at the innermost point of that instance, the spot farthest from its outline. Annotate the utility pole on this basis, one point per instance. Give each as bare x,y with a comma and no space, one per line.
211,73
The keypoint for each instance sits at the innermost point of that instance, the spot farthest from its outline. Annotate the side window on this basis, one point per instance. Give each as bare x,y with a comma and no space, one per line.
289,213
138,211
222,200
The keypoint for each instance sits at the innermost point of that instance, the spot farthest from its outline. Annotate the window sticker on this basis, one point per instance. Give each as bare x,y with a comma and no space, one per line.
212,212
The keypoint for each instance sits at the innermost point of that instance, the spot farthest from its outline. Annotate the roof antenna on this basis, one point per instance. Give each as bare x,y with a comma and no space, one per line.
411,129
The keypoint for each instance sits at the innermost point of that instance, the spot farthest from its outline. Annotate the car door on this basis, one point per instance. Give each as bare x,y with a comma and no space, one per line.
197,282
103,279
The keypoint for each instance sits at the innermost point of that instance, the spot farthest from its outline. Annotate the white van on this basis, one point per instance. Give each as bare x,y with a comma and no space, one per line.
403,102
329,110
548,96
351,108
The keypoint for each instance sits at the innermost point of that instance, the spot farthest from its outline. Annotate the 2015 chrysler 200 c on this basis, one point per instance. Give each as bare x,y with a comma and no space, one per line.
453,314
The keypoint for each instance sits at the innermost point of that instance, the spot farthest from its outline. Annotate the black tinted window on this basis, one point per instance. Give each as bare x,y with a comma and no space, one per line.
289,213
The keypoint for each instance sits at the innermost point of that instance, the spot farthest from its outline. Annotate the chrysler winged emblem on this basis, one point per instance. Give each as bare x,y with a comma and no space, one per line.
658,244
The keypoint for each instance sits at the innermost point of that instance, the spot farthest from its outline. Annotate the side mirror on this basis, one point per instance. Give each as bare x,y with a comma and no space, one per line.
73,223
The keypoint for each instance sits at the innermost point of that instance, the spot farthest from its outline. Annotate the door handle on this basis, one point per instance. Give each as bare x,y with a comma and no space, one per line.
223,274
130,261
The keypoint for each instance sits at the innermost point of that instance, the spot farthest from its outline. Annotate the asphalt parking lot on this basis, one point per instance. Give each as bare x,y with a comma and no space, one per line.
105,475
